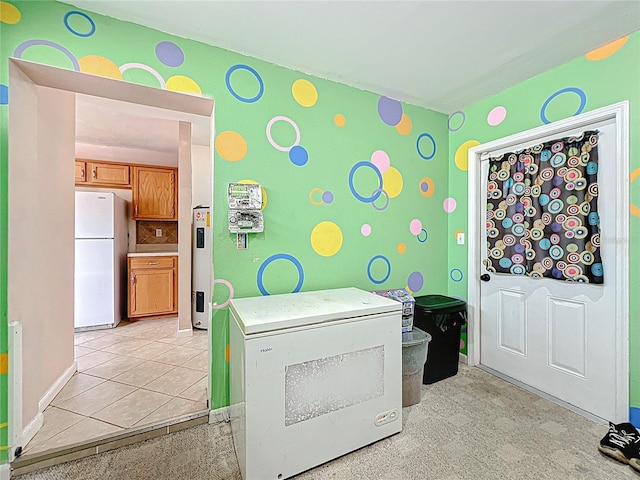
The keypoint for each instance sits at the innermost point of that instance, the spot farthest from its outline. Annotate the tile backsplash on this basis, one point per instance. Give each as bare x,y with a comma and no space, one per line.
146,232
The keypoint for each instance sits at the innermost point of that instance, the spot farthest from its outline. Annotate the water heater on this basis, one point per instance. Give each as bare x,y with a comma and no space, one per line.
201,267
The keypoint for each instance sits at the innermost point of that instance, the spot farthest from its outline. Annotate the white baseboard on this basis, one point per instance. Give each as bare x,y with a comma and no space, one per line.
187,332
462,358
5,471
30,430
219,415
54,390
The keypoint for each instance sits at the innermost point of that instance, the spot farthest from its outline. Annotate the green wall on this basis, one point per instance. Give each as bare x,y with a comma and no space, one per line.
602,78
322,227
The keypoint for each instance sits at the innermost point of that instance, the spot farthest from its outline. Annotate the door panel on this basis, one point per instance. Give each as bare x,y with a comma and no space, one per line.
559,337
512,322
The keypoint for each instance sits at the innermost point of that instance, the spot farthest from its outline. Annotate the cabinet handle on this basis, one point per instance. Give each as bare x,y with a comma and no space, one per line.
153,263
82,172
93,172
135,211
133,279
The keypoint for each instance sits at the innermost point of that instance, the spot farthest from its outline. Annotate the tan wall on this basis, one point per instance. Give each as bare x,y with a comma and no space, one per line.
41,237
184,226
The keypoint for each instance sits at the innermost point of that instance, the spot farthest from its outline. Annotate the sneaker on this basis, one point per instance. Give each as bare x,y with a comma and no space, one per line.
622,443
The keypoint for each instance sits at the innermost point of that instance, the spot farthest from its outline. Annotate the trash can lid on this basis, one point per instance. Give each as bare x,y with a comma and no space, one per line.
439,302
415,337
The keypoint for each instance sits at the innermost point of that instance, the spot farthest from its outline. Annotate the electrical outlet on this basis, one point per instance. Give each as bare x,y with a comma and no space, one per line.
158,232
460,238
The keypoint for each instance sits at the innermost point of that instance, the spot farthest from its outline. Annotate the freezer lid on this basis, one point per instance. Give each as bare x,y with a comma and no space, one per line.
275,312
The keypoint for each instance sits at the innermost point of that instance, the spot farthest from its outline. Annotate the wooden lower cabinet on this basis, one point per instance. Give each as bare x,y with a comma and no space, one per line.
153,286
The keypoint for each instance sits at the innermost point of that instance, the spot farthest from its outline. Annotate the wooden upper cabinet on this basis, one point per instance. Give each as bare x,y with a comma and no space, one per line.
81,172
108,174
102,174
155,193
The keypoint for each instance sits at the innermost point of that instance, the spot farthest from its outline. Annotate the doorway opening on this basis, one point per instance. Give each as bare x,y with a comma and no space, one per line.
45,110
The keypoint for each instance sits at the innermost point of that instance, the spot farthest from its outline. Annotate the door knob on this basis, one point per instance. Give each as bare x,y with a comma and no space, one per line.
485,277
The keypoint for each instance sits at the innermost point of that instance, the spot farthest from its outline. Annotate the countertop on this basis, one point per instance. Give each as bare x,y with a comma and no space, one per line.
153,254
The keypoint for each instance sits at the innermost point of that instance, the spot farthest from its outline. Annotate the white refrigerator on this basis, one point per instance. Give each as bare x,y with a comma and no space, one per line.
100,260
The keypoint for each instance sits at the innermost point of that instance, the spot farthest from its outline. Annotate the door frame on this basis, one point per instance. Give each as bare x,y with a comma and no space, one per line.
619,113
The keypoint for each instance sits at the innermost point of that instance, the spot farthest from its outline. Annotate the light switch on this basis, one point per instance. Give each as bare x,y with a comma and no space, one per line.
158,232
460,238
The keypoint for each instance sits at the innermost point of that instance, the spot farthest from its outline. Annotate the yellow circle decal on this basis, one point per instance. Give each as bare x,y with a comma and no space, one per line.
304,93
180,83
314,202
461,158
339,120
9,13
635,174
607,50
404,126
264,192
392,182
402,248
97,65
326,239
231,146
227,353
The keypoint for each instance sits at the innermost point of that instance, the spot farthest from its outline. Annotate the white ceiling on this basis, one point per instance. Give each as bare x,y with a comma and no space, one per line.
442,55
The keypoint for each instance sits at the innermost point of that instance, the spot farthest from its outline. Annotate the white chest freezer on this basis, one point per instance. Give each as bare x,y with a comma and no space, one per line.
313,376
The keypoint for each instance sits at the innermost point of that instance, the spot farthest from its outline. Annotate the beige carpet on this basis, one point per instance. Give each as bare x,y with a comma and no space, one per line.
473,426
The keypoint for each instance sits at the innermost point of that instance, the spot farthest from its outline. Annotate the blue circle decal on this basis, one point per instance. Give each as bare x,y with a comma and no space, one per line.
278,256
386,260
227,79
456,275
376,193
298,155
4,94
420,137
459,112
577,91
91,31
426,235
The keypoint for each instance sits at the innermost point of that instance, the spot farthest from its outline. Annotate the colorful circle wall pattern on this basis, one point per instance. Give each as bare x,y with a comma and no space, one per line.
326,197
298,155
326,239
270,260
82,25
9,13
304,92
257,76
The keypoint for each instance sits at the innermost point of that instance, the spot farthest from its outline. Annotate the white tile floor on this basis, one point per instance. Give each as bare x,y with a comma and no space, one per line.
137,374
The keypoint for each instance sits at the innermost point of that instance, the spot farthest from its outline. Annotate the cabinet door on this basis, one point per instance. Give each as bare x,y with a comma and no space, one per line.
154,193
81,172
109,174
152,292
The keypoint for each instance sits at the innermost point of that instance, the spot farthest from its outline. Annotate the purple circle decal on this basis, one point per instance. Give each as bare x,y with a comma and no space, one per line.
327,197
415,281
390,111
170,54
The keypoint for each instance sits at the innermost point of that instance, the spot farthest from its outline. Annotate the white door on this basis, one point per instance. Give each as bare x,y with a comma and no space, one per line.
556,336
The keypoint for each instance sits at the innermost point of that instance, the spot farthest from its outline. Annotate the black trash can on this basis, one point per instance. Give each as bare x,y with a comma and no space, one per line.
441,317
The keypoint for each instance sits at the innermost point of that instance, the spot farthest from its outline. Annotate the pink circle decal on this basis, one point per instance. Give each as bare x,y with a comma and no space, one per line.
365,229
415,227
231,293
496,116
381,160
449,205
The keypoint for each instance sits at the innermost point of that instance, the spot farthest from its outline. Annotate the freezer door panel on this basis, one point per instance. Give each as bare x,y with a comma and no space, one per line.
94,283
94,215
316,393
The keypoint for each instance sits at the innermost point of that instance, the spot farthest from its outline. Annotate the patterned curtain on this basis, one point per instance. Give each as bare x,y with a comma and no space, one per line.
542,217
